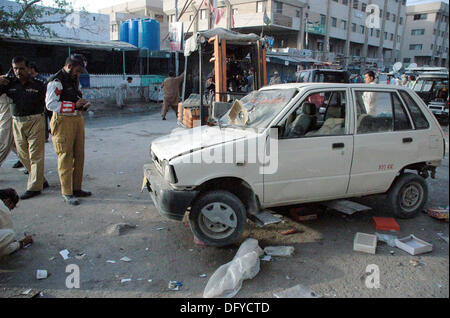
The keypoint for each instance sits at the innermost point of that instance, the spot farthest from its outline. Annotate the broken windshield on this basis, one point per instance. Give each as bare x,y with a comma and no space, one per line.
259,108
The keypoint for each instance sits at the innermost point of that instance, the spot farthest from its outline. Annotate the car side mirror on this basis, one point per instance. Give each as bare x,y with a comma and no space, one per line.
322,110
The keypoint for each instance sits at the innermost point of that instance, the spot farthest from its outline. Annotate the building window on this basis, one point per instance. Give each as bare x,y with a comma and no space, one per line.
259,6
394,18
353,27
363,7
420,16
418,32
278,7
392,37
371,32
113,28
385,35
431,47
355,4
388,15
362,28
415,47
407,60
172,17
203,14
378,33
400,21
345,2
343,25
322,19
381,13
297,14
191,17
333,22
235,12
434,31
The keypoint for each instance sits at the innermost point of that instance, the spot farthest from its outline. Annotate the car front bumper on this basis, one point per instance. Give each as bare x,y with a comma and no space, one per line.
170,203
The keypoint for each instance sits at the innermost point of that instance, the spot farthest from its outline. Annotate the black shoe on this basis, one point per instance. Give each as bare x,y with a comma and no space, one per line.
46,185
164,118
81,194
18,164
26,172
29,195
70,199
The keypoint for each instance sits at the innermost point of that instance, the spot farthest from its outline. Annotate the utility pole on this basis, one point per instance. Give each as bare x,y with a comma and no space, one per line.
347,42
176,53
395,52
365,47
326,50
383,30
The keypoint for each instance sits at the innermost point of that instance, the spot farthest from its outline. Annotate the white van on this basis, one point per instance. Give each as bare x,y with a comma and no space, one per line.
275,148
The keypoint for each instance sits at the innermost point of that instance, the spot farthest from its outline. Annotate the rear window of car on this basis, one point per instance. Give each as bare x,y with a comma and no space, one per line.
420,121
331,77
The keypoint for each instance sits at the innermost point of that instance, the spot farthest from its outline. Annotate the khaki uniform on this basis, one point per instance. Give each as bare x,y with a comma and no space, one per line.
68,140
171,87
29,135
8,244
6,132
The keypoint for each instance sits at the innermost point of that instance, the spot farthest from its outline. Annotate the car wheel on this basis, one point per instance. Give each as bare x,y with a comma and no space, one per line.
408,195
218,218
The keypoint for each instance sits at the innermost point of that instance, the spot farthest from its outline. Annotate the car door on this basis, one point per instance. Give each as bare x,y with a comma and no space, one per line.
385,140
316,165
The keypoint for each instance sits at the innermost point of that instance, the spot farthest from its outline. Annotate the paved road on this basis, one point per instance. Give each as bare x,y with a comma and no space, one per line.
161,250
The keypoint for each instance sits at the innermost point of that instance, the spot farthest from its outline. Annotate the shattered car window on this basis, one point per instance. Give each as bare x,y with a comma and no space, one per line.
263,106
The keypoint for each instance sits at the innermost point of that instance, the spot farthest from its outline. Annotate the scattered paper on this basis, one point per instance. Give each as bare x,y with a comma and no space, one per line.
111,261
125,259
266,258
125,280
203,275
64,254
26,292
41,274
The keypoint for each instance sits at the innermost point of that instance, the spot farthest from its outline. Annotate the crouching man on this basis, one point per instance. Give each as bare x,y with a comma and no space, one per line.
8,244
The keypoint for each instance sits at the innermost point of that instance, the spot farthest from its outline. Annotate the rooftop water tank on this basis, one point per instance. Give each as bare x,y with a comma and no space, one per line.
133,32
149,35
124,32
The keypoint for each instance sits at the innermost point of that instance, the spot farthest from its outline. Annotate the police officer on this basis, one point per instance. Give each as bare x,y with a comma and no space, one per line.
64,99
38,77
28,97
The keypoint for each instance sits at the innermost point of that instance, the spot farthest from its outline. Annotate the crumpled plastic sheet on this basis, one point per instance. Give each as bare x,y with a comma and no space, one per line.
388,239
227,279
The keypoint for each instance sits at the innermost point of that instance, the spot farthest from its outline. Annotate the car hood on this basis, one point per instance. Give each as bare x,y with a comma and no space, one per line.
183,141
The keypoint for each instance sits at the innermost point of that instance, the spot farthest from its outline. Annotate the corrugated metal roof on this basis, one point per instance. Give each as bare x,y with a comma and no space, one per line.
108,45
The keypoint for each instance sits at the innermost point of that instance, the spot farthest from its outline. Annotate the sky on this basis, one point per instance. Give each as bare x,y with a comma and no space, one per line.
94,6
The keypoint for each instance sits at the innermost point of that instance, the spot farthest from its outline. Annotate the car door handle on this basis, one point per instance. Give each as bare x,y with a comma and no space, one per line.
338,145
407,140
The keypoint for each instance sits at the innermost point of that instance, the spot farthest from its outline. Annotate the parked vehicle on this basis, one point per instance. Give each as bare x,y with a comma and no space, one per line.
433,89
371,139
323,76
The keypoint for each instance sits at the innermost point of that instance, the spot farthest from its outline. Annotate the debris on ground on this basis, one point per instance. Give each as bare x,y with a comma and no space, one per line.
366,243
298,291
227,279
111,261
41,274
303,214
445,238
346,207
415,262
386,238
413,245
288,232
439,213
64,254
119,229
266,258
386,224
80,256
175,285
125,280
279,250
198,242
26,292
203,275
125,259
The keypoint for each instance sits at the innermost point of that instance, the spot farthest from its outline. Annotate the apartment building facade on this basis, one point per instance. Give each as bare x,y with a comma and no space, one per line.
426,35
137,9
334,30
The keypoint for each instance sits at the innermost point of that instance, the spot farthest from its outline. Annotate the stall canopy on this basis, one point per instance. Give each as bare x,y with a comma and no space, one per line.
230,36
75,43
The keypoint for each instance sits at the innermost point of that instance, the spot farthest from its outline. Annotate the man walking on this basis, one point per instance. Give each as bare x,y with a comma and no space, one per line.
65,100
28,97
171,87
275,79
8,244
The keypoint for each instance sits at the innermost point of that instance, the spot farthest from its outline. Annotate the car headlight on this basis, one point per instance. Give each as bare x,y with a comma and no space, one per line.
168,172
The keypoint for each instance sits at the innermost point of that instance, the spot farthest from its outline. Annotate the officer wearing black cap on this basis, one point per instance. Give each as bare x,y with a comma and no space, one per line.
65,100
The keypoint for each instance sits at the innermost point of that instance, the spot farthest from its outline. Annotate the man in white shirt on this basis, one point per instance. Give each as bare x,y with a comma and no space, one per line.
121,91
370,98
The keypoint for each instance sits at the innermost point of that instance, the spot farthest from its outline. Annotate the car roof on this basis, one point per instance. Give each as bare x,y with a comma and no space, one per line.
331,85
324,70
431,75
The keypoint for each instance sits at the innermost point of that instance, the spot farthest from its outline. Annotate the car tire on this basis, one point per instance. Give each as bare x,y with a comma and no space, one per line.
408,195
217,233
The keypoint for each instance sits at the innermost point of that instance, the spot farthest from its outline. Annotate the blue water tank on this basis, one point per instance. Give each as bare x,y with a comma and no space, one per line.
133,32
141,32
124,32
149,35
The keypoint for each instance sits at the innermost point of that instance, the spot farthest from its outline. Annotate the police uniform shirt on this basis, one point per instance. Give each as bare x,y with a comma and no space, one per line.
28,99
62,93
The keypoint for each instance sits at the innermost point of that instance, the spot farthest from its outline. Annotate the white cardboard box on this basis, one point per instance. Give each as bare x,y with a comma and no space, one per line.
413,245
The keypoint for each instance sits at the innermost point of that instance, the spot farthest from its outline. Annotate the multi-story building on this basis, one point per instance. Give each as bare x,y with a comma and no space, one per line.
134,10
426,34
333,29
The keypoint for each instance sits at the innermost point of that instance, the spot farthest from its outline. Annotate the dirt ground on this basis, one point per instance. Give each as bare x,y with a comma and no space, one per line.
160,250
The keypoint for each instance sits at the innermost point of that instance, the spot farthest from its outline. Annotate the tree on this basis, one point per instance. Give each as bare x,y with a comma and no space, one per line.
25,16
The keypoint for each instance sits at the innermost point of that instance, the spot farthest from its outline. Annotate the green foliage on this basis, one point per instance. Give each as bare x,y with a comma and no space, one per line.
33,17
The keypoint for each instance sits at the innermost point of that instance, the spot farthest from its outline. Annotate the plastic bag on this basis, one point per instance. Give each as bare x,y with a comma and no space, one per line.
388,239
227,279
279,250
